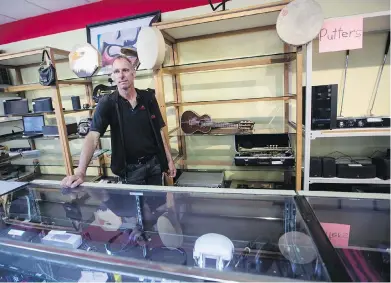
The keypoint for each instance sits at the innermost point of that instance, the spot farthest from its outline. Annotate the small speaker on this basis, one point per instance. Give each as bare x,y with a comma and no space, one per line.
329,168
315,167
356,171
42,104
382,167
76,103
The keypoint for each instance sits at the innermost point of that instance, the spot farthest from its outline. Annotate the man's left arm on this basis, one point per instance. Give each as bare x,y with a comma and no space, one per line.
171,165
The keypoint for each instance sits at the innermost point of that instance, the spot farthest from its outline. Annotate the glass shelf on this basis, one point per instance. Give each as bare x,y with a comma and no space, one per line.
19,116
52,159
241,62
226,163
258,129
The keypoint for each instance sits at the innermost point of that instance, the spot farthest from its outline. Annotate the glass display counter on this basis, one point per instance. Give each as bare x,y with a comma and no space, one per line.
114,232
358,226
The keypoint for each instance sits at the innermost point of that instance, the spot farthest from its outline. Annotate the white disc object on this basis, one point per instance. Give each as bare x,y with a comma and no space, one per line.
151,48
300,22
170,231
297,247
84,60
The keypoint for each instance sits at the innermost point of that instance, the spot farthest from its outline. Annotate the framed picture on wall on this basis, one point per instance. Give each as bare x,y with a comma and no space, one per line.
109,37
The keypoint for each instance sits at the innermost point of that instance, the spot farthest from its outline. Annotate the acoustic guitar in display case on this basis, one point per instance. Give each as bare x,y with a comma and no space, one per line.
192,123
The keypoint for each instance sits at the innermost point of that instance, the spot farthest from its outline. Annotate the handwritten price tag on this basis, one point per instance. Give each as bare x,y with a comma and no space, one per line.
338,234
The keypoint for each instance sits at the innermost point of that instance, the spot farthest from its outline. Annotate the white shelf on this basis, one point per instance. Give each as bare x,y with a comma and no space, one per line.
376,181
353,132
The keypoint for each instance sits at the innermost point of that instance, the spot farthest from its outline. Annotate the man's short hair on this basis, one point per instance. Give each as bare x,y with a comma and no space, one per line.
125,58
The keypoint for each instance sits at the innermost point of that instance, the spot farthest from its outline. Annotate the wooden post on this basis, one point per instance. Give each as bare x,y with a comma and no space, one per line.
159,90
286,91
19,80
178,99
299,118
62,131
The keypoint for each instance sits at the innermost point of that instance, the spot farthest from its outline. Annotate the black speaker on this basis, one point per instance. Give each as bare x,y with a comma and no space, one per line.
324,106
315,167
356,171
76,103
42,104
382,167
329,167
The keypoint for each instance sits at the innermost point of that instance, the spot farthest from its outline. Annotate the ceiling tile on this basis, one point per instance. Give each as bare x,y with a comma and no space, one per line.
20,9
56,5
5,19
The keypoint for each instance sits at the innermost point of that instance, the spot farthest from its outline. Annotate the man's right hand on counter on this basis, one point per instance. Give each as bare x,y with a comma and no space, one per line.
74,180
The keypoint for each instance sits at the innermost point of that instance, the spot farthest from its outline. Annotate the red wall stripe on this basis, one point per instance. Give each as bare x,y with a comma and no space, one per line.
79,17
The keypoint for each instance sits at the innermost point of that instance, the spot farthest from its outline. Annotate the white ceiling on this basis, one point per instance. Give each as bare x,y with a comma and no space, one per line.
13,10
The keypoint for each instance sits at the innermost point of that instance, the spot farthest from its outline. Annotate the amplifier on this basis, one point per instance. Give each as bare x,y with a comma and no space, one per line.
324,106
382,167
42,104
53,130
363,122
356,171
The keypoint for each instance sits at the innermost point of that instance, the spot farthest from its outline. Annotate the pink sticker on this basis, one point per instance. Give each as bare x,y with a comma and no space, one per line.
341,34
338,234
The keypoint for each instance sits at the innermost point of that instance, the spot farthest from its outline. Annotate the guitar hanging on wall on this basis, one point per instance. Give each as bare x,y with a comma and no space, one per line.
191,123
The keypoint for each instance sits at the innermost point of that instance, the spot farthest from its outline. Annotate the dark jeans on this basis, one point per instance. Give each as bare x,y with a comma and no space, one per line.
144,174
147,174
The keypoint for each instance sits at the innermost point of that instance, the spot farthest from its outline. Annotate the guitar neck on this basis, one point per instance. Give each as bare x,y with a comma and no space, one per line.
220,125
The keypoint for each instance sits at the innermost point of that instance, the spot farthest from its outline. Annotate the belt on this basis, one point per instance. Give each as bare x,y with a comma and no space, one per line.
141,160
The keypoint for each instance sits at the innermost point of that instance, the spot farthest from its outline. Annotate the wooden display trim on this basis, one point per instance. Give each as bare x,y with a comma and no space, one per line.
223,15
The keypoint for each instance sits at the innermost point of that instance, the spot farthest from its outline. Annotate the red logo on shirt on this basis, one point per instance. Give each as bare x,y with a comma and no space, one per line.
142,107
153,117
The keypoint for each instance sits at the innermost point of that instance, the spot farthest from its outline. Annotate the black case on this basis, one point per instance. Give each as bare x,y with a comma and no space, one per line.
262,141
351,171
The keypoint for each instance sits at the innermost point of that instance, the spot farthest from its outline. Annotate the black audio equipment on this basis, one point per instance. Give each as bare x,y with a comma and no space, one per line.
315,167
42,104
76,103
53,130
16,106
324,106
363,122
329,168
382,167
356,171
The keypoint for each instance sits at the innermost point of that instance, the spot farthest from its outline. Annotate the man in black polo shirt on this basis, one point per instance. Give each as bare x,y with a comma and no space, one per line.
143,149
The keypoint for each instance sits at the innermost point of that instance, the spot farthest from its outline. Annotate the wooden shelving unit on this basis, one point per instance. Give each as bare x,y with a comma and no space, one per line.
221,24
32,58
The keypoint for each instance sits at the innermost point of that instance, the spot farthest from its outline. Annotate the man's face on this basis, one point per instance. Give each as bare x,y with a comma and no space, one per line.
123,74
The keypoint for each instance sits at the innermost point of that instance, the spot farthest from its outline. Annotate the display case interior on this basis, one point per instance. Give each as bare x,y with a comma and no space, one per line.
195,233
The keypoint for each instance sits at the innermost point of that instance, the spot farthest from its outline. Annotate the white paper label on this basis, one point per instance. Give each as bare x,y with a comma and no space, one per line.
355,165
276,162
372,120
53,232
15,232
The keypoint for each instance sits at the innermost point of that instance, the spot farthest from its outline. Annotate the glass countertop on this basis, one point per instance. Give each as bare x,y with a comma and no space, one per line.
359,229
248,234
